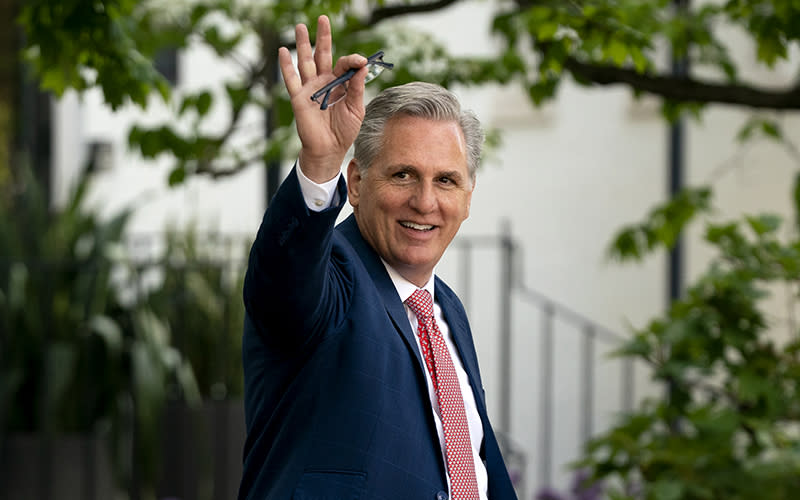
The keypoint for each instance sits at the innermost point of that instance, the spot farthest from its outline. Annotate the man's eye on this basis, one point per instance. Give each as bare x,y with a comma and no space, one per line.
446,180
401,175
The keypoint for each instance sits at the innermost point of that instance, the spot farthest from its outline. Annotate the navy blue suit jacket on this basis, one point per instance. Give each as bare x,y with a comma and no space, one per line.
336,401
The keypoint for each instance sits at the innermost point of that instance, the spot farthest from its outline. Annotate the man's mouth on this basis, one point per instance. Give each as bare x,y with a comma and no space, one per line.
418,227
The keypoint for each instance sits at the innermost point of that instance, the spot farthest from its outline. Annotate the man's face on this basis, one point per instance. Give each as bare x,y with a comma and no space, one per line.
415,195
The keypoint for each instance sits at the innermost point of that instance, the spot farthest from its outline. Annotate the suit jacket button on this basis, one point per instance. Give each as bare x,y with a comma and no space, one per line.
441,496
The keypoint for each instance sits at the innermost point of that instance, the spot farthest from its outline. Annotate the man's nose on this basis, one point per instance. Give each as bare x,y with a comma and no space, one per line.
424,198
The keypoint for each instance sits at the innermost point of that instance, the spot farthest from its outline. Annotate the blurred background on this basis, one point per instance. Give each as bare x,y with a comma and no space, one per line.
630,266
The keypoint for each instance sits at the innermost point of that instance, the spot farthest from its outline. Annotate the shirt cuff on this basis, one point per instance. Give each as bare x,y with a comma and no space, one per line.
318,197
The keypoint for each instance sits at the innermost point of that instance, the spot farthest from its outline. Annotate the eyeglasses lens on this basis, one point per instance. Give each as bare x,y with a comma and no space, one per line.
373,70
337,93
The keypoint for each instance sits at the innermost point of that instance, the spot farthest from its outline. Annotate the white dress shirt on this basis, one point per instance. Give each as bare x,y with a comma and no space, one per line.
319,197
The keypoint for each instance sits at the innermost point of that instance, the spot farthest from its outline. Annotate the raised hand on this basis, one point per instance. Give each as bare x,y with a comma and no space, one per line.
326,135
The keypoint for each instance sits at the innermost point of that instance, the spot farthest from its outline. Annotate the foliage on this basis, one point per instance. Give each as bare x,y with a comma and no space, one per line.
729,426
663,225
113,38
607,42
77,355
199,297
110,44
5,134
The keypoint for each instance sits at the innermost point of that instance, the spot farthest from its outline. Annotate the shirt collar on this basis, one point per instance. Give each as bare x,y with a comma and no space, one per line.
404,287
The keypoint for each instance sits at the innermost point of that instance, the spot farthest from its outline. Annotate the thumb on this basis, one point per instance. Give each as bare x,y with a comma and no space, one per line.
355,87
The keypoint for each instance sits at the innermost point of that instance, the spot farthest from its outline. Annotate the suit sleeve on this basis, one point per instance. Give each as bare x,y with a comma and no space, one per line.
292,291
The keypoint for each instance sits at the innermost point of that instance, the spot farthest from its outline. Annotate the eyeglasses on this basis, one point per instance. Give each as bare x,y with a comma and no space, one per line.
335,91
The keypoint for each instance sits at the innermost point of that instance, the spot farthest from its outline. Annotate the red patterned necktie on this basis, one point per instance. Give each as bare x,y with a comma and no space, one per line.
458,448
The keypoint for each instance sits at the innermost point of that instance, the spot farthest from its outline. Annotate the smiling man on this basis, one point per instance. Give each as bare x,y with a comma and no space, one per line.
361,377
411,198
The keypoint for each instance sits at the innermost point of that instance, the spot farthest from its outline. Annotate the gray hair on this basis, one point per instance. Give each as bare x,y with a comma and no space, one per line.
419,99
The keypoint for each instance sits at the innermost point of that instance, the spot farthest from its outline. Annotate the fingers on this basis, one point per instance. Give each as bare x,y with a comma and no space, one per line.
315,61
355,87
305,58
345,63
323,53
355,90
290,78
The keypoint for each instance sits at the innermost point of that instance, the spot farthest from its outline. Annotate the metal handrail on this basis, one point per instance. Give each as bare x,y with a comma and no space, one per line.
513,290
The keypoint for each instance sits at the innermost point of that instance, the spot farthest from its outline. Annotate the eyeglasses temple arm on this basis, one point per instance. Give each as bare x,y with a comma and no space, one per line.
327,88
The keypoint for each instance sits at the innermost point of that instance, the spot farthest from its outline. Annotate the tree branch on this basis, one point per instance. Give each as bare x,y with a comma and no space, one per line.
383,13
687,89
213,170
388,12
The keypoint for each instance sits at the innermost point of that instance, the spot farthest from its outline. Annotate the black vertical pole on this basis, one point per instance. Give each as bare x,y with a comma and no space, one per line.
680,68
270,44
136,475
546,391
506,276
466,274
587,383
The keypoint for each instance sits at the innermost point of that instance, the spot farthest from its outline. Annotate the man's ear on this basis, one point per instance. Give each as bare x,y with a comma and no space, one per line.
469,196
353,182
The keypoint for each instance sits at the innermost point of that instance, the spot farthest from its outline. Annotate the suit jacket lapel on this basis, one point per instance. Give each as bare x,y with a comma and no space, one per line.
460,332
458,329
397,312
391,301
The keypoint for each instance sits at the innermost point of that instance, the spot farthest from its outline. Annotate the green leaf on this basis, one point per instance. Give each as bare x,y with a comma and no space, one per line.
667,489
238,95
177,176
204,101
546,31
199,11
771,129
221,44
764,224
639,346
796,199
188,102
17,284
60,365
663,225
751,387
721,233
150,142
770,48
188,384
640,61
729,68
542,90
723,422
107,329
616,51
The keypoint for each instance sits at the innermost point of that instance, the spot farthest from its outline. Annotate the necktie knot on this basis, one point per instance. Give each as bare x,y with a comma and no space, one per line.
420,304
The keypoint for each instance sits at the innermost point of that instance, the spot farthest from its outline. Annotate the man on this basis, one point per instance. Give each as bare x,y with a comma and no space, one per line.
357,384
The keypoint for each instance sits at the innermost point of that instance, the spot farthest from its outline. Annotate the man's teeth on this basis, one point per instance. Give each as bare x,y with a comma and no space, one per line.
418,227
